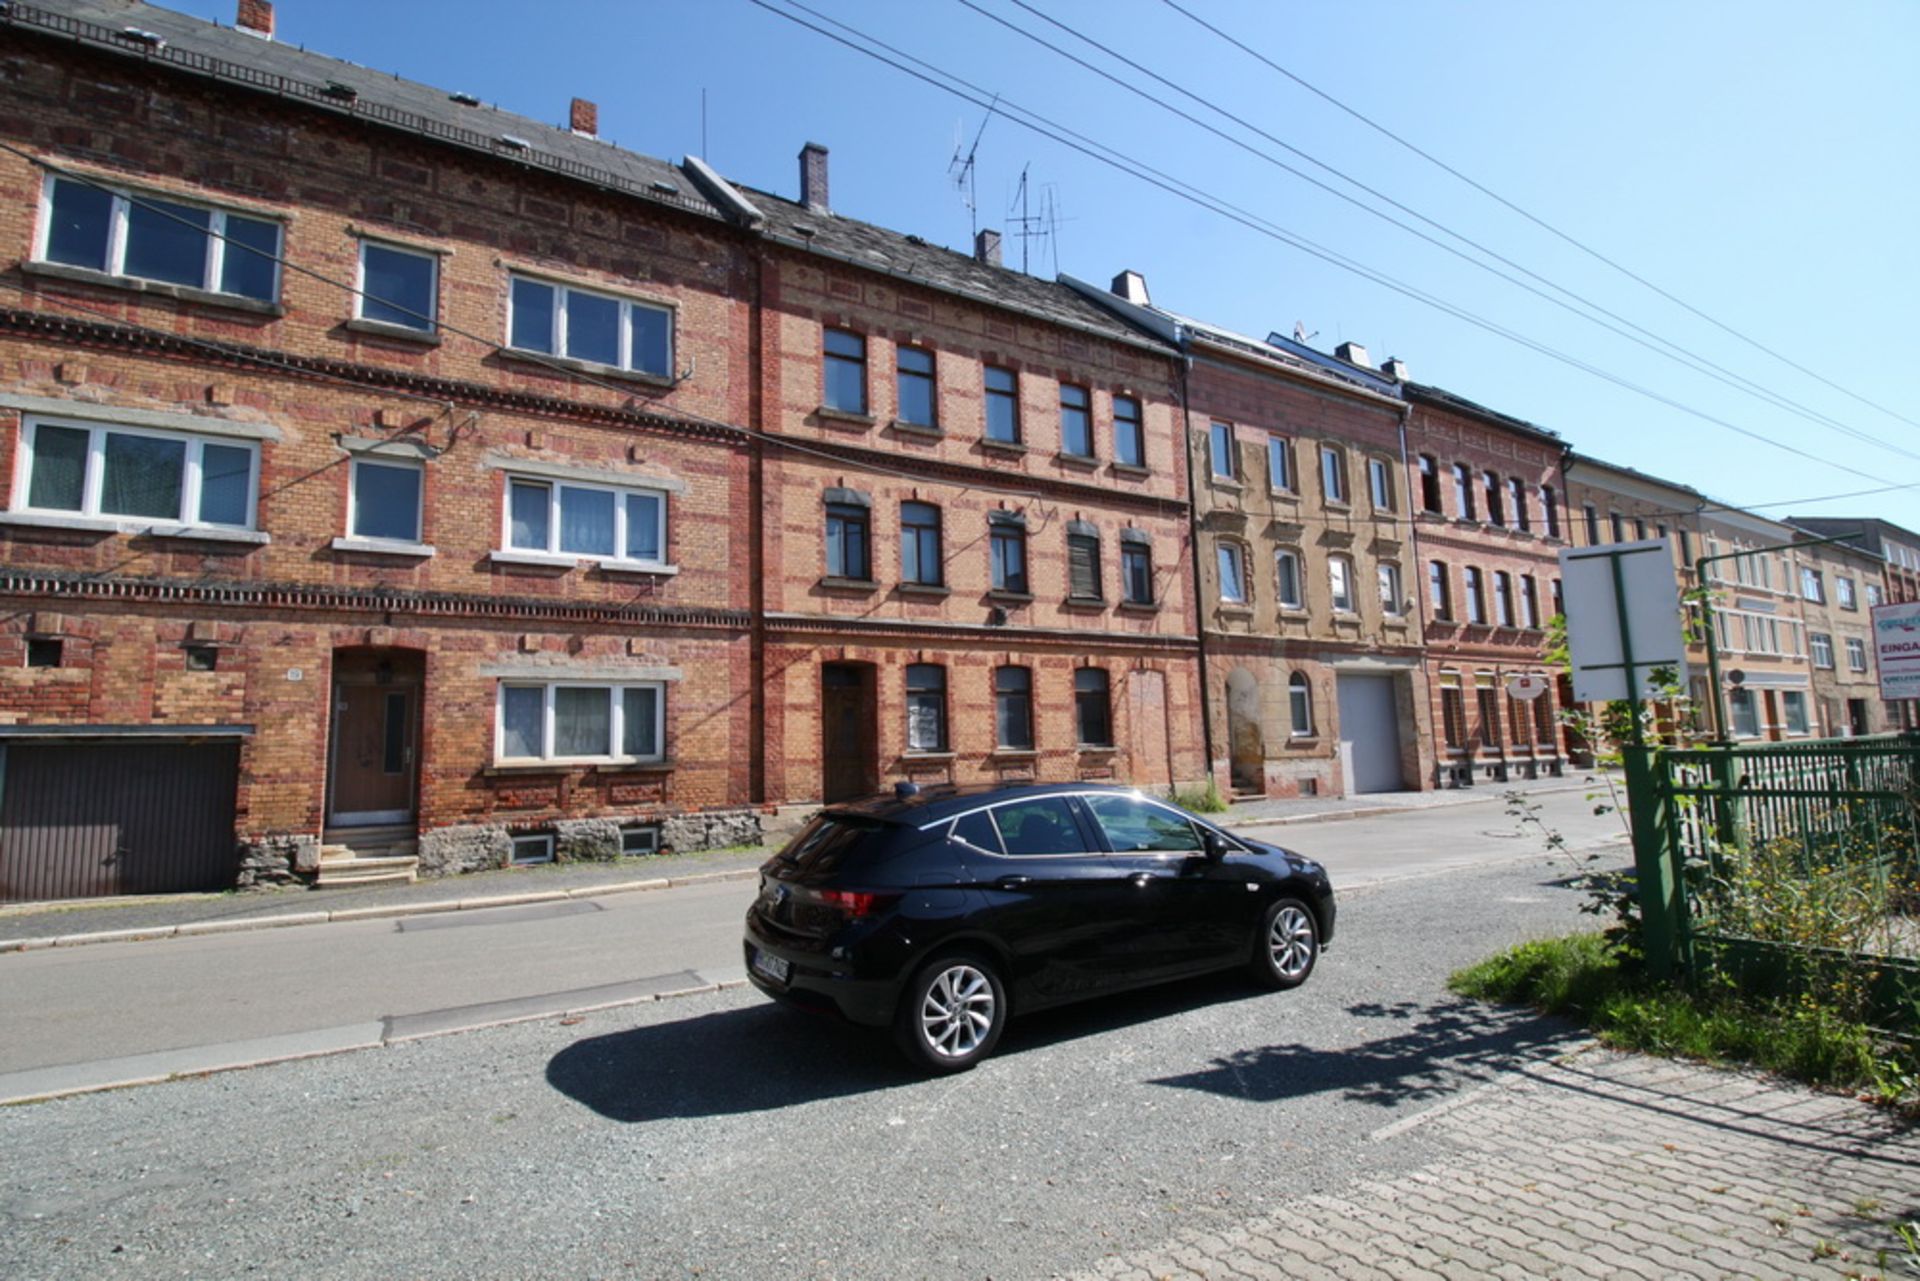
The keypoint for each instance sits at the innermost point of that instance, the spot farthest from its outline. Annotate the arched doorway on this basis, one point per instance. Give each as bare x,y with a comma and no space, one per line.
1246,745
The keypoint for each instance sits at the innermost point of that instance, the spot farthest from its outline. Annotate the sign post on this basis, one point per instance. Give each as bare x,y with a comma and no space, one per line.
1623,623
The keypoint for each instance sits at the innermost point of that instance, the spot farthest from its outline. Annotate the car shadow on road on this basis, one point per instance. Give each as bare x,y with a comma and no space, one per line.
1432,1050
766,1057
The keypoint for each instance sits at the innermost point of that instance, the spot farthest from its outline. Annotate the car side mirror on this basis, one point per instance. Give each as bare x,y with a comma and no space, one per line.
1217,846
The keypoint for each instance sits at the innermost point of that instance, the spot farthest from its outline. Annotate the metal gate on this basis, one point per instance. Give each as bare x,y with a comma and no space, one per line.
1369,733
81,820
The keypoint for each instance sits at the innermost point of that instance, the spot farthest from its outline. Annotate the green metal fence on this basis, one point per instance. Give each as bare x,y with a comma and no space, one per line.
1793,865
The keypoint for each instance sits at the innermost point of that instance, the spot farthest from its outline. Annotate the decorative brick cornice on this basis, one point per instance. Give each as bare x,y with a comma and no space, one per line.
209,351
357,600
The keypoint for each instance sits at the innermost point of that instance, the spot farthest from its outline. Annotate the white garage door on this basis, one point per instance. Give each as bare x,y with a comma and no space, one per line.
1369,733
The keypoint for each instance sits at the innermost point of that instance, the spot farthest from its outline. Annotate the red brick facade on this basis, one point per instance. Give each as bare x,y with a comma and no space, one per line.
1491,507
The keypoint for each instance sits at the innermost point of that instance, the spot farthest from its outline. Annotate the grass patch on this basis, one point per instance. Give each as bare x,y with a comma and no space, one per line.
1582,977
1201,800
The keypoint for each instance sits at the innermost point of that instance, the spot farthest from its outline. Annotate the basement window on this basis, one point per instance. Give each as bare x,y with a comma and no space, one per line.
641,839
44,651
528,850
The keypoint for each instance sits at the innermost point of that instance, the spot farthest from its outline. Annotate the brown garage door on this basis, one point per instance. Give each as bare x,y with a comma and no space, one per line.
82,820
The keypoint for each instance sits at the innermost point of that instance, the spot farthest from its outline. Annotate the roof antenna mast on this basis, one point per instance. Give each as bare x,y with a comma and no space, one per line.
961,170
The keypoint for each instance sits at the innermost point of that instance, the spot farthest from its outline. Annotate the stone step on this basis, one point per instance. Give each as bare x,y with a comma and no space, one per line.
362,870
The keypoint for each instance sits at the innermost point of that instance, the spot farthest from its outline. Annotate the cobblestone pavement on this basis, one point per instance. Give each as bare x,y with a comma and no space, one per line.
1597,1165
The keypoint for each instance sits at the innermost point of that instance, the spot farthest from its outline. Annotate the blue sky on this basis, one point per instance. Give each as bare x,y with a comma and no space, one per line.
1754,160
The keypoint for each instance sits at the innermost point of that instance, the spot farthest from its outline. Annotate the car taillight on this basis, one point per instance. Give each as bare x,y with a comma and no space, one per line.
857,903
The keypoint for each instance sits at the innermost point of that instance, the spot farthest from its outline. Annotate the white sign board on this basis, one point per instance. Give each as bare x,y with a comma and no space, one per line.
1527,688
1896,643
1594,581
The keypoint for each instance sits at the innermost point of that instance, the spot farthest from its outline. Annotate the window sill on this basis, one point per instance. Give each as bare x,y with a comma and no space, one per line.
1132,471
564,560
1083,462
1096,749
387,329
1089,604
383,547
1010,598
1225,482
1293,611
544,361
1138,607
1003,446
1013,754
911,756
657,765
931,590
1340,505
843,417
1235,608
147,528
159,288
1284,495
832,584
905,428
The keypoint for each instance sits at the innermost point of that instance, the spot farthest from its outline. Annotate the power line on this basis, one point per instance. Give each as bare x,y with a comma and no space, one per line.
1118,160
1534,219
1621,326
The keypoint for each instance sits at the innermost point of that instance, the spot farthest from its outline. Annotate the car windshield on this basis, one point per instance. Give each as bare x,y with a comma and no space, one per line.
1133,825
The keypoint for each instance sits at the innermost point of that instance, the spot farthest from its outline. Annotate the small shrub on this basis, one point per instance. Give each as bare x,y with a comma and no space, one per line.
1201,800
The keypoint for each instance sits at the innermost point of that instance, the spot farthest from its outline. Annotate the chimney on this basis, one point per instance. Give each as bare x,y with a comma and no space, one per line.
1354,354
1132,286
255,18
584,118
1395,368
986,247
813,177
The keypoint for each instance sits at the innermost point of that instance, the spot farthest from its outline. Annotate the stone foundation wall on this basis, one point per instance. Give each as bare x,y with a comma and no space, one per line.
277,860
477,847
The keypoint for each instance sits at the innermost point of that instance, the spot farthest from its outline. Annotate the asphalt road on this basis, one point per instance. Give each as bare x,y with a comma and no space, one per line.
719,1136
318,988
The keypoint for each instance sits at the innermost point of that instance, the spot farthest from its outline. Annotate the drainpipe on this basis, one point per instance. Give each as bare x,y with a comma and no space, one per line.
1193,541
756,532
1417,578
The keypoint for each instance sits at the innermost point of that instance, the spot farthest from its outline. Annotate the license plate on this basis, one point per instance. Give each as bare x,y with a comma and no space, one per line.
774,967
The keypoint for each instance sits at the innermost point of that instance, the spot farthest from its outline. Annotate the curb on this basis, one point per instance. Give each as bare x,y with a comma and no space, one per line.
372,1039
1384,811
194,929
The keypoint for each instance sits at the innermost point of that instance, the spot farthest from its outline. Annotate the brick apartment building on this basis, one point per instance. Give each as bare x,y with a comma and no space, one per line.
1488,493
399,479
1311,640
1833,579
973,518
1897,552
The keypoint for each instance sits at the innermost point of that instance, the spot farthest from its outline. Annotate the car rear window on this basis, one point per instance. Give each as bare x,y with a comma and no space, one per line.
977,830
826,842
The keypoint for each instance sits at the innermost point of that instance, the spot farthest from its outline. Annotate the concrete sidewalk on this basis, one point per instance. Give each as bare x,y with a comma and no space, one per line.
73,923
1597,1165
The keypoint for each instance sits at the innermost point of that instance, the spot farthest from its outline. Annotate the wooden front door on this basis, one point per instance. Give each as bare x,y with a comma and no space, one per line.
374,730
848,767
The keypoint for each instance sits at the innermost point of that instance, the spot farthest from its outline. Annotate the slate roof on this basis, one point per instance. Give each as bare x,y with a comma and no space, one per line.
909,257
1444,399
247,62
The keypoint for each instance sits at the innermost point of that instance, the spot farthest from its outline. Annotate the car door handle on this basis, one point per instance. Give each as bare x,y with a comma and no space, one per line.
1142,879
1014,882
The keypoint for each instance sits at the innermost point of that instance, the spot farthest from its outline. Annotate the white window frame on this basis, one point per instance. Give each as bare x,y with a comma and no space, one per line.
1223,551
1340,584
616,724
552,553
1280,477
644,835
1856,654
558,333
1845,594
1297,598
544,839
94,477
1380,482
1221,451
1820,650
419,507
431,323
1393,596
1333,474
212,268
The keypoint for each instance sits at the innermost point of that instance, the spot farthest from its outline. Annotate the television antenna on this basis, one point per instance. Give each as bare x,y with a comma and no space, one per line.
962,171
1028,226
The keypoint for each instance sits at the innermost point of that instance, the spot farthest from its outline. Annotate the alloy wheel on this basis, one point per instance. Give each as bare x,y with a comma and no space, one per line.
1290,942
958,1011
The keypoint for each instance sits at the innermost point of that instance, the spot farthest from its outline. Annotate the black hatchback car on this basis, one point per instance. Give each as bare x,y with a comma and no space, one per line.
942,912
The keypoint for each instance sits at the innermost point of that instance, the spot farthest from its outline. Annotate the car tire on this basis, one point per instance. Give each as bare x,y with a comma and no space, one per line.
952,1013
1287,945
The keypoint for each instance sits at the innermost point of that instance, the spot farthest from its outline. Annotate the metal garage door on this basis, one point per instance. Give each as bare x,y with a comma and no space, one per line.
1369,733
82,820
